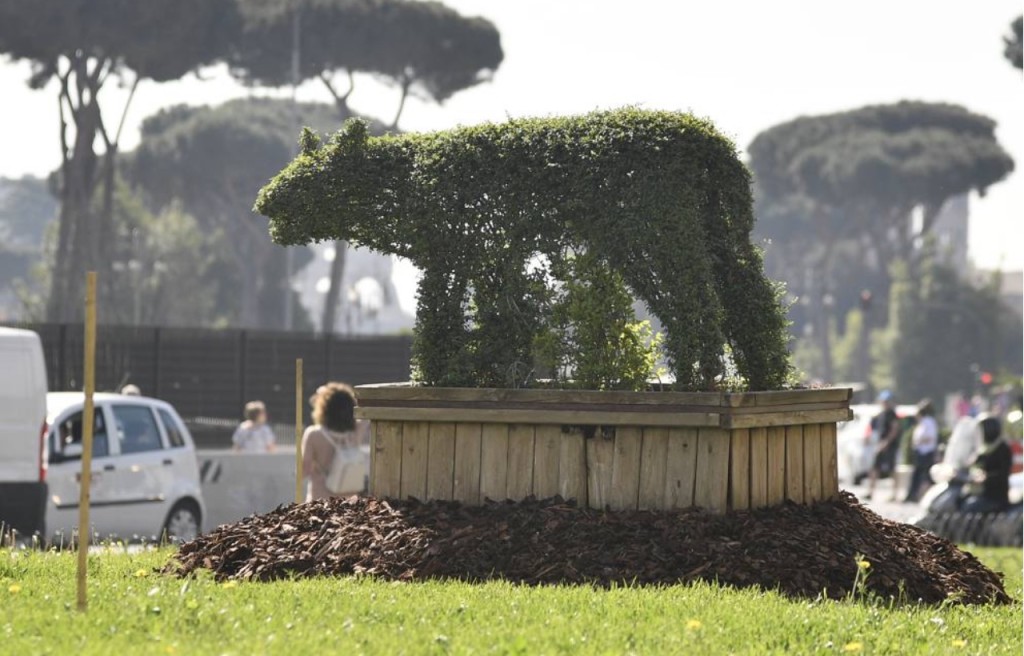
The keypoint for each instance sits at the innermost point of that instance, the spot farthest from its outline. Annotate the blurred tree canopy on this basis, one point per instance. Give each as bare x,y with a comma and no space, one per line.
82,44
421,47
1012,44
26,207
944,329
213,161
871,181
86,45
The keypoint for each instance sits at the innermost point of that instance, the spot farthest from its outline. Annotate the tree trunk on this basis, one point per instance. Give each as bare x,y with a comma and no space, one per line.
81,236
334,291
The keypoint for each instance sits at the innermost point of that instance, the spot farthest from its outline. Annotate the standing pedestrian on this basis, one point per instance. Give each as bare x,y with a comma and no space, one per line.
885,435
924,443
335,427
254,435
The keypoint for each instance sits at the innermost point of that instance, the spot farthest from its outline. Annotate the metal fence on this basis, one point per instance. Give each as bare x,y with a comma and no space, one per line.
211,374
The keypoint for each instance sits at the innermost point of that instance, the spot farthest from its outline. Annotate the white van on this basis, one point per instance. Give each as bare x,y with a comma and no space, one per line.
23,430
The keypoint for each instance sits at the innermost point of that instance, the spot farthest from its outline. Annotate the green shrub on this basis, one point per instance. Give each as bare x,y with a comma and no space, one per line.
593,340
659,198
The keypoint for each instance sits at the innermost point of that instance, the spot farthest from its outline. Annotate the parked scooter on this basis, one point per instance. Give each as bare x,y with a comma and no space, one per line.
942,504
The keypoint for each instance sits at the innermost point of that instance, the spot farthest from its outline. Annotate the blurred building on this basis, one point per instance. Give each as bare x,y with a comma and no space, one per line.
950,232
1011,287
368,303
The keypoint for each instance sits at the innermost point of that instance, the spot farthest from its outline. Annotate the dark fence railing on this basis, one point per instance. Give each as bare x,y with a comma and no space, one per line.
211,373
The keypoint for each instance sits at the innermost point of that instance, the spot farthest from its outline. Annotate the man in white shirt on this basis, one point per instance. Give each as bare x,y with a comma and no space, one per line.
925,442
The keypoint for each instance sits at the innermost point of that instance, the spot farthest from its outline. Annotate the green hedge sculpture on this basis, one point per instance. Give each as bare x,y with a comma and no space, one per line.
660,198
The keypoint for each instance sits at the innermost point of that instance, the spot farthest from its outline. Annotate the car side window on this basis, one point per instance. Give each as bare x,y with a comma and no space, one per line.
136,429
68,433
174,435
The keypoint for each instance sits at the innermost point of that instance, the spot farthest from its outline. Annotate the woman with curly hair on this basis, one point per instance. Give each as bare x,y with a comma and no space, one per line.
334,427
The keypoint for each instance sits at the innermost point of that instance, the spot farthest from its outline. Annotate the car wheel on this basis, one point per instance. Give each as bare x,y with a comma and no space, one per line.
182,523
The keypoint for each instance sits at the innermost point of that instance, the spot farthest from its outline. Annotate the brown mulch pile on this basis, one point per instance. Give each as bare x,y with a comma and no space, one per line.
802,551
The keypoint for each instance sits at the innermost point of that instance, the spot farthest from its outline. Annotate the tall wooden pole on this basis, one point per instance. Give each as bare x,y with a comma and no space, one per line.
299,496
85,478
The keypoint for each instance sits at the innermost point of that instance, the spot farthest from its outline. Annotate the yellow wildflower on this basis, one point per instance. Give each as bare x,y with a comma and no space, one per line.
863,564
693,625
139,573
229,584
959,643
14,588
853,647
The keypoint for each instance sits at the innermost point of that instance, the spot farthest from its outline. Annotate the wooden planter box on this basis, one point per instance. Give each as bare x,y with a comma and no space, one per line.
622,450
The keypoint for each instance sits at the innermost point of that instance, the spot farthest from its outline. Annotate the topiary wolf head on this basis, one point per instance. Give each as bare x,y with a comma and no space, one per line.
660,197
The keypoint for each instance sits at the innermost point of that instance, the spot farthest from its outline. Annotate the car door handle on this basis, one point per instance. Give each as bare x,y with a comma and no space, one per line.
168,462
108,467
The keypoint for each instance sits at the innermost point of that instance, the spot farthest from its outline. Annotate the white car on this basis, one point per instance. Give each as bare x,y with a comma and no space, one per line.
145,480
855,446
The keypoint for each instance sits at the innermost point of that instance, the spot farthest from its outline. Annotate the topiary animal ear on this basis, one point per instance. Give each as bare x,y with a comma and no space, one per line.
308,141
352,135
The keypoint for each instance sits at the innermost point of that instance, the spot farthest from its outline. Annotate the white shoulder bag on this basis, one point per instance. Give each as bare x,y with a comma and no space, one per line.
347,474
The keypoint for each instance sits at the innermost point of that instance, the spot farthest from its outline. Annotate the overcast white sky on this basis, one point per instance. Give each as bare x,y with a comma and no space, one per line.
746,64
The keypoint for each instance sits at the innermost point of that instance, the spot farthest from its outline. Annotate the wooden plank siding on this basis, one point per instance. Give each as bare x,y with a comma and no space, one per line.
493,461
519,482
415,442
572,468
466,483
758,467
653,469
711,487
441,461
546,452
386,475
625,484
739,469
672,451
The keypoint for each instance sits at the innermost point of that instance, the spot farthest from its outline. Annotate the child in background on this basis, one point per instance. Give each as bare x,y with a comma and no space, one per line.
254,435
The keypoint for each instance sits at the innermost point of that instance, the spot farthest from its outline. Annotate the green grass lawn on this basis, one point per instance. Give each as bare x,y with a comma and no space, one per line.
133,610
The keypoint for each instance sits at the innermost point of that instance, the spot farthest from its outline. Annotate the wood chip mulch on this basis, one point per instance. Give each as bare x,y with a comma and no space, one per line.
802,551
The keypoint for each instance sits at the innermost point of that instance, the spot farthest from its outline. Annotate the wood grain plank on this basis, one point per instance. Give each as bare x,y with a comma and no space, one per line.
758,467
540,416
653,468
829,463
795,463
415,442
790,418
739,469
546,450
519,483
812,463
493,461
680,468
386,479
711,490
441,461
626,468
572,468
368,394
466,484
600,457
776,465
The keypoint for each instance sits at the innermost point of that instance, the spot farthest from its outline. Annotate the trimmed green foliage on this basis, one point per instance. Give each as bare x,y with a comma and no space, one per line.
660,198
594,340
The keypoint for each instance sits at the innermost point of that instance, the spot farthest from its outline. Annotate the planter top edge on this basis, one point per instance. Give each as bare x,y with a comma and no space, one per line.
407,391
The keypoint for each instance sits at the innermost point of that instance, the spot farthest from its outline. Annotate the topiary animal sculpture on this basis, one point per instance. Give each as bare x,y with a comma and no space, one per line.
660,197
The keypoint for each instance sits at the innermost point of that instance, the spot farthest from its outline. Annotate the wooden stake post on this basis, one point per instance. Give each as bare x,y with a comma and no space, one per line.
299,496
85,479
